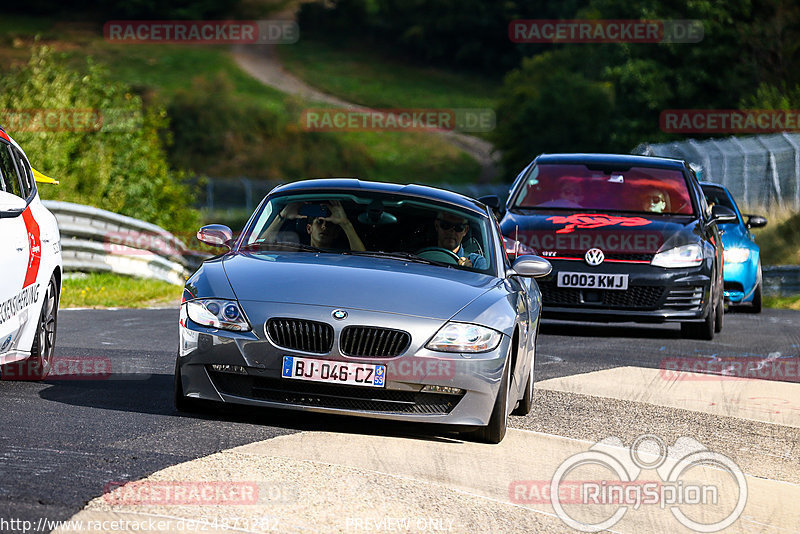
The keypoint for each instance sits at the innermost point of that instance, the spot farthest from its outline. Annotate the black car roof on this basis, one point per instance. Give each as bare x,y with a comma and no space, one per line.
613,159
350,184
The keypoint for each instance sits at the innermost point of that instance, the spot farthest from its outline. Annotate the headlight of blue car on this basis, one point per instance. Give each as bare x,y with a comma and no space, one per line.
736,255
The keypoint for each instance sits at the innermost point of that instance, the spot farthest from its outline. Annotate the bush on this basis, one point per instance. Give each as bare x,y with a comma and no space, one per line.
546,106
218,133
121,166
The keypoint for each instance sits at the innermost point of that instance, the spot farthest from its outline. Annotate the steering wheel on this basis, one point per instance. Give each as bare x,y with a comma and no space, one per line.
438,254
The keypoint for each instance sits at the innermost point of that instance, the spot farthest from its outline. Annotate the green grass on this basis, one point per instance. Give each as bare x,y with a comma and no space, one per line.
785,303
394,156
780,239
106,290
371,79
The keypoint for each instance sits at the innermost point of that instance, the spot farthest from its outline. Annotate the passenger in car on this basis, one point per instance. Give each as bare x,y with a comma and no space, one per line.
323,231
450,231
655,200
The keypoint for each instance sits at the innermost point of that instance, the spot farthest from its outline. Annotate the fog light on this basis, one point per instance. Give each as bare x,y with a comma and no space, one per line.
447,390
236,369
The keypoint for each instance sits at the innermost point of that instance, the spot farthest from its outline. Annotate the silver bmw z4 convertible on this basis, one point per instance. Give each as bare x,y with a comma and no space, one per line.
365,299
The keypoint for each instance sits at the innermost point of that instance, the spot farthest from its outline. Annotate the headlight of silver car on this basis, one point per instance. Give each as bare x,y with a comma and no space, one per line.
217,313
684,256
736,255
464,337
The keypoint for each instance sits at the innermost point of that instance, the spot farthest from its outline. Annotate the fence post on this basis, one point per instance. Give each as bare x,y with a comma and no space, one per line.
796,149
248,193
746,170
715,144
771,162
210,194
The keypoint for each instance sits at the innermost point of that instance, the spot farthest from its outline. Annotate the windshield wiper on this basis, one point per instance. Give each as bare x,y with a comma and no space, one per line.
280,245
398,256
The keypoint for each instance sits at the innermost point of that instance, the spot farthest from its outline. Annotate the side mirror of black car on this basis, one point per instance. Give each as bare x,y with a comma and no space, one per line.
722,214
756,221
493,201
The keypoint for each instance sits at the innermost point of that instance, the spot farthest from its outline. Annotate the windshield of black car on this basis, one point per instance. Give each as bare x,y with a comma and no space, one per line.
379,225
580,187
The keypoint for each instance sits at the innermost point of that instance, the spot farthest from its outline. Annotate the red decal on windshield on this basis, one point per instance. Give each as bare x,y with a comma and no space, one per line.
593,220
34,247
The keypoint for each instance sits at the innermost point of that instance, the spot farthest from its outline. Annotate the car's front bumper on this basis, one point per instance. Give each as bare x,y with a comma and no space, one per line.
740,281
654,294
477,375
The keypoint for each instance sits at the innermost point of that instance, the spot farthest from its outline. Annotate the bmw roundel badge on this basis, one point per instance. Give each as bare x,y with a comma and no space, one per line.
339,314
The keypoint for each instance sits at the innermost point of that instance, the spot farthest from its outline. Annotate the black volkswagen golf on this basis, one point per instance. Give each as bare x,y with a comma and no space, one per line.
630,238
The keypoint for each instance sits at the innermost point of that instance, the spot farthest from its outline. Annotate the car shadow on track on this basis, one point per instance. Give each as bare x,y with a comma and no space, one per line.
609,330
152,395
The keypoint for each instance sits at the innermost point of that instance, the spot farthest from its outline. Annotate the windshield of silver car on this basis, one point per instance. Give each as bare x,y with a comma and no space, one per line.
403,228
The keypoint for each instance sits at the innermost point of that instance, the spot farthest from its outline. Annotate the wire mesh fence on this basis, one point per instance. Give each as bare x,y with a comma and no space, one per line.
759,170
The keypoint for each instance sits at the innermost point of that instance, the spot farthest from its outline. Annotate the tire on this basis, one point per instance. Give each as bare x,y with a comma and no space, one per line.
720,318
495,431
756,307
704,330
526,402
37,366
182,402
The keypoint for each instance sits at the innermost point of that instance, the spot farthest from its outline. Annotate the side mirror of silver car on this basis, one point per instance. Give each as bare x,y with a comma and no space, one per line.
532,266
216,235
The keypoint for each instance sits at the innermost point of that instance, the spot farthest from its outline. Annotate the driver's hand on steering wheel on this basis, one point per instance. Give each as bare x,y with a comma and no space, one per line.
464,262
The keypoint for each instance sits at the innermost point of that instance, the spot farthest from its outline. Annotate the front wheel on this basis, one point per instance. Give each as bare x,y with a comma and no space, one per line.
526,402
37,366
704,330
718,320
756,307
495,431
181,401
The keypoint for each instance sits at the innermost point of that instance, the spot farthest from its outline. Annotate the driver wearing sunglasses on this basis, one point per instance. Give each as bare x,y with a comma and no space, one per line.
450,231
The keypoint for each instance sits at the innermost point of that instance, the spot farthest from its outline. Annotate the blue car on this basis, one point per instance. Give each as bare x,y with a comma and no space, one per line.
741,271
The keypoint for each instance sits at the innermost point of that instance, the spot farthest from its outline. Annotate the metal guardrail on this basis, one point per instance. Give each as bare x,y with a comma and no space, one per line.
97,240
781,280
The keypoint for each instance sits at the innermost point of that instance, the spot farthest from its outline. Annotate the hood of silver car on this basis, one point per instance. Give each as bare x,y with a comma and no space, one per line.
345,281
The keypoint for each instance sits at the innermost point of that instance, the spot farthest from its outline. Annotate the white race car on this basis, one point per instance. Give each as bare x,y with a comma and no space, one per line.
30,269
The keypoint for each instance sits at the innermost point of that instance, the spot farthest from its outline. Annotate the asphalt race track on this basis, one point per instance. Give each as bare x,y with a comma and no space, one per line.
64,442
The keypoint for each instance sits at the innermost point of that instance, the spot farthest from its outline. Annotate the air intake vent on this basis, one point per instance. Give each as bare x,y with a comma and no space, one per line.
373,342
299,334
685,298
